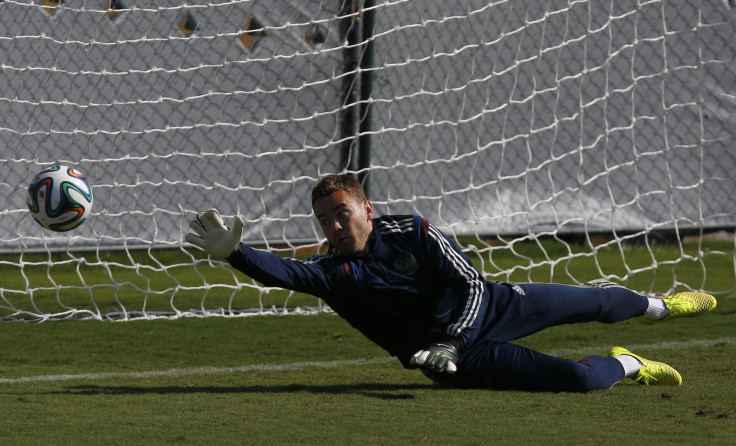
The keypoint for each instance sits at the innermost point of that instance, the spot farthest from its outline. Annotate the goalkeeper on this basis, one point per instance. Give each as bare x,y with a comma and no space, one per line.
408,288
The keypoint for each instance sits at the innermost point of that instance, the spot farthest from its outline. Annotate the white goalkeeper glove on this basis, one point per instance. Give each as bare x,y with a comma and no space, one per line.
213,236
437,357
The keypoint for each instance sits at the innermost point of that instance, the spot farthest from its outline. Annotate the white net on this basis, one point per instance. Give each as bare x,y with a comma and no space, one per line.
507,120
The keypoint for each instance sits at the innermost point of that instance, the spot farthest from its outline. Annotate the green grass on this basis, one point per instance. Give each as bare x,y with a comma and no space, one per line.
92,382
154,281
374,403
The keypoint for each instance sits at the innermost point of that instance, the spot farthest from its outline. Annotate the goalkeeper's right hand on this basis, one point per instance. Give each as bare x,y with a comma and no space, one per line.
438,357
213,236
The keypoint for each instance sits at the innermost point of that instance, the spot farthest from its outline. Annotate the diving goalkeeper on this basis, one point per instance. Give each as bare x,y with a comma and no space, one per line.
407,287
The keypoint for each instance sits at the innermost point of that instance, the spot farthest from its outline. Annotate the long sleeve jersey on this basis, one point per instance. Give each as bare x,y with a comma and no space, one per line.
414,288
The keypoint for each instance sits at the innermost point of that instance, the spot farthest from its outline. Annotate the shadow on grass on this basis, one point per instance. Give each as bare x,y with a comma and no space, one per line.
379,391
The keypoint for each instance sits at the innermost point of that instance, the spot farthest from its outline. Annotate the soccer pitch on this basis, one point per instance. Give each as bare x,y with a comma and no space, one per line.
554,141
315,380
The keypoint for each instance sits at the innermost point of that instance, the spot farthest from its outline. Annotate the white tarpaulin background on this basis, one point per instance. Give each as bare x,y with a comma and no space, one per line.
520,116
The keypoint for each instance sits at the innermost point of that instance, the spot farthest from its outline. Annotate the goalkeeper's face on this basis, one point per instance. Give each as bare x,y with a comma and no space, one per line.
346,221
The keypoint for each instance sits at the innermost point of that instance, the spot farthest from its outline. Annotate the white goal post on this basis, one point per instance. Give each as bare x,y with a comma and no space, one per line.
591,122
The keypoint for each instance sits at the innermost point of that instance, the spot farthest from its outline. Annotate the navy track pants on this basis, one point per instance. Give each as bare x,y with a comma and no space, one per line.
518,310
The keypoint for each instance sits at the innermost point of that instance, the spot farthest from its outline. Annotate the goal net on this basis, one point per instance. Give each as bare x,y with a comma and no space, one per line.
574,129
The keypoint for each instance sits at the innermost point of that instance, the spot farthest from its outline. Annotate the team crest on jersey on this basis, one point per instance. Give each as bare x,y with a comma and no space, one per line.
406,264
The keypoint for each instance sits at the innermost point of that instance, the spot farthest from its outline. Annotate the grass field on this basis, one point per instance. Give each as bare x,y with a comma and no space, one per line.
315,380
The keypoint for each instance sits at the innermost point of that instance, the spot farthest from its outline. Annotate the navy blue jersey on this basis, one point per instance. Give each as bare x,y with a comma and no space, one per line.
414,288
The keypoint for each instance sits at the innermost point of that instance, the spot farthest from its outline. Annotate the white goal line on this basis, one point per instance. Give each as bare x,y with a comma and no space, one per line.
329,364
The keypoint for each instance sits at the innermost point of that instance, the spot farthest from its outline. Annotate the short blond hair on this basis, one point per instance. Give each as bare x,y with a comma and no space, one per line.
337,182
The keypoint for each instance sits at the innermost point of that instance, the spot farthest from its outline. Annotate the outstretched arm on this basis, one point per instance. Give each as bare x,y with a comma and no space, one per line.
318,276
221,242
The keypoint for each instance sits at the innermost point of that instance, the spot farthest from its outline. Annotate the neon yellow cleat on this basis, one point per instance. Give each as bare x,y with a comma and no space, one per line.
652,373
685,304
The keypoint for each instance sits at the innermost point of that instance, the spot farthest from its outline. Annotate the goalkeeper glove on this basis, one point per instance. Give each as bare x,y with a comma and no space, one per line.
213,236
437,357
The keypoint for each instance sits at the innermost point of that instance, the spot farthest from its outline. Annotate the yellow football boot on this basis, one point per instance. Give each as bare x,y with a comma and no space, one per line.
685,304
652,373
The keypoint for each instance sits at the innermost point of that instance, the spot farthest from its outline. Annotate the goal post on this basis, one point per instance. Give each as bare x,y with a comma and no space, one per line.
541,135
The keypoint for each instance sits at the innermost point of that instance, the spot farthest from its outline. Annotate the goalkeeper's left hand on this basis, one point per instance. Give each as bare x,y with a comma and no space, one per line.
437,357
213,236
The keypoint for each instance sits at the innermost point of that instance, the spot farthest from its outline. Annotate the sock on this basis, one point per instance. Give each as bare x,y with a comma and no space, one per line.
656,309
631,365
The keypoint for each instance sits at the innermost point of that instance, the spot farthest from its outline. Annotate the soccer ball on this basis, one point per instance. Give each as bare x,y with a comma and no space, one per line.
59,198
